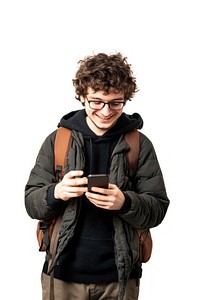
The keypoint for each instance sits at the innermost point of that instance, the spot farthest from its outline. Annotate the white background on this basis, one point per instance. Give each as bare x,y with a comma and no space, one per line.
41,43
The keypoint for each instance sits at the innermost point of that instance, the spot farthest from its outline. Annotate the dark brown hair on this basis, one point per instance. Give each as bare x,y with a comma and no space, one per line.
109,73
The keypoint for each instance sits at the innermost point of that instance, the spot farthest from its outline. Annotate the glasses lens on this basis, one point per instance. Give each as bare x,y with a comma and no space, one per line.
96,104
116,105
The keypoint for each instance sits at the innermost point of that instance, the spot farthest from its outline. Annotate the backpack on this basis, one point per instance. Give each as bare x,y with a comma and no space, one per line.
48,231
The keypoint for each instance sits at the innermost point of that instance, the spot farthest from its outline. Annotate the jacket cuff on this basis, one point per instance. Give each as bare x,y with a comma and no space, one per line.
126,206
51,200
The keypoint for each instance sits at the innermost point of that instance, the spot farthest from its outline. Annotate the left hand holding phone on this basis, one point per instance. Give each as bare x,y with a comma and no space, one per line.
110,199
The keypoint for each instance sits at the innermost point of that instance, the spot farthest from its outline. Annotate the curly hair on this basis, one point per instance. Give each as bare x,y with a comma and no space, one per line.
109,73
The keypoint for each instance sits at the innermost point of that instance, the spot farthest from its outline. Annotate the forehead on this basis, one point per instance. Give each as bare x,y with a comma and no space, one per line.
100,94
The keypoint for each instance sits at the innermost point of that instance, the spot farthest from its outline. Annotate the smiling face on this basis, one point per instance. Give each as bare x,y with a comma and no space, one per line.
102,119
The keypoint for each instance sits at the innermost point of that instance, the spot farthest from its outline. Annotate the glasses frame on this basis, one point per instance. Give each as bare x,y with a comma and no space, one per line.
104,103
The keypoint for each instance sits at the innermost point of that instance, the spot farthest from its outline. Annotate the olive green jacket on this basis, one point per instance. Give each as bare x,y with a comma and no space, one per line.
149,201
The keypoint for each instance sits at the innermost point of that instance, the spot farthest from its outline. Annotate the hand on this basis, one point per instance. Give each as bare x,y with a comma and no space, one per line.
112,198
71,186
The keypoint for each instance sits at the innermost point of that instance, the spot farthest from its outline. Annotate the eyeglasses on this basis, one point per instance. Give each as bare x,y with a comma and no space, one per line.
114,105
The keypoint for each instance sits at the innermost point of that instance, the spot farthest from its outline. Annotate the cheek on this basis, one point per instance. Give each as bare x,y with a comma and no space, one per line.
87,110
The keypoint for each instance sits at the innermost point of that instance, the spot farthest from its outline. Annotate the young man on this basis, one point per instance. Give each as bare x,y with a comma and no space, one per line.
97,255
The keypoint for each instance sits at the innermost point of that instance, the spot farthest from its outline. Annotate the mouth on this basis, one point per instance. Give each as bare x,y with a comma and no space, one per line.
103,118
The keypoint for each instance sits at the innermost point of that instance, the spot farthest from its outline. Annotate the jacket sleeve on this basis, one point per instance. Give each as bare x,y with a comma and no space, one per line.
148,201
41,183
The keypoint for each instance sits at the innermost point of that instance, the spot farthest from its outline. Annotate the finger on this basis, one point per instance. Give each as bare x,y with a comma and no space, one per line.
99,190
74,181
102,204
67,196
73,174
96,196
78,182
71,192
100,198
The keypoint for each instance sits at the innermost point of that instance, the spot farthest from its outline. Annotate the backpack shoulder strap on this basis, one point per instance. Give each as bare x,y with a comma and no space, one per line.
132,139
61,148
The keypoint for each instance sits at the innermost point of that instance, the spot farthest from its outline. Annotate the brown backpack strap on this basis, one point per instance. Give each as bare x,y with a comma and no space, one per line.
144,234
53,248
132,139
61,148
54,239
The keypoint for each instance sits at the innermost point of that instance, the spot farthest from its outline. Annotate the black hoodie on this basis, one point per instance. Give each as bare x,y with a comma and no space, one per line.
90,257
76,120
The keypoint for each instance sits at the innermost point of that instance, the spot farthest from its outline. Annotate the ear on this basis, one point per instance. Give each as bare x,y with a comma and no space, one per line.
82,99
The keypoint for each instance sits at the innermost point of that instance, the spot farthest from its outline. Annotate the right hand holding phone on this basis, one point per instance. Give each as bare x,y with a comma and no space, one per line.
72,185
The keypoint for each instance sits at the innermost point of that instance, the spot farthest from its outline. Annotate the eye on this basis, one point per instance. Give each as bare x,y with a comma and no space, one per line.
115,104
97,102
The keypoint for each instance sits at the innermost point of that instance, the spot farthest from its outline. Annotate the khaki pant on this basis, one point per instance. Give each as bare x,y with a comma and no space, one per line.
78,291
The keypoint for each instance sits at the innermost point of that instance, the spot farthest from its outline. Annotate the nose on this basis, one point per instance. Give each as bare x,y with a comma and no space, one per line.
106,109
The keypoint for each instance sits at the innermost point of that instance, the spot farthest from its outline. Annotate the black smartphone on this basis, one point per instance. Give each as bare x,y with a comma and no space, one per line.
98,180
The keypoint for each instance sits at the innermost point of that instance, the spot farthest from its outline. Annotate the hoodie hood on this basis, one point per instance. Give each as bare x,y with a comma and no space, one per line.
76,120
95,145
